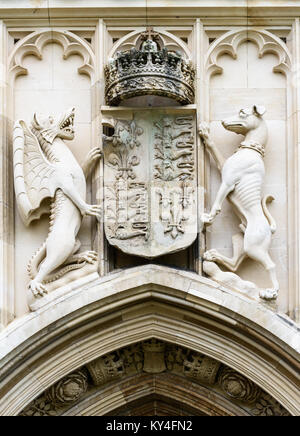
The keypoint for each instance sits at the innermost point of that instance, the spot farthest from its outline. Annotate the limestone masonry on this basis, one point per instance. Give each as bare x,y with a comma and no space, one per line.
150,208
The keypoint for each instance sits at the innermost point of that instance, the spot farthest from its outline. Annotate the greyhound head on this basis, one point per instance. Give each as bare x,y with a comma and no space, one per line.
250,123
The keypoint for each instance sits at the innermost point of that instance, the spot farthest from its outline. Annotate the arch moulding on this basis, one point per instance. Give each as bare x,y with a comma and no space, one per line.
128,307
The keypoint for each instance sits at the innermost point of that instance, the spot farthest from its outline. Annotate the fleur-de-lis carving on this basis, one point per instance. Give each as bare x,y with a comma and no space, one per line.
124,163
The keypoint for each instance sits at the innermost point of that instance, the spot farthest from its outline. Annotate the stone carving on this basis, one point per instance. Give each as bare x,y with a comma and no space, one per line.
230,41
268,406
45,168
68,390
154,356
150,183
64,393
126,194
133,358
40,407
242,180
149,69
201,368
193,365
174,149
229,279
237,386
34,43
127,361
105,369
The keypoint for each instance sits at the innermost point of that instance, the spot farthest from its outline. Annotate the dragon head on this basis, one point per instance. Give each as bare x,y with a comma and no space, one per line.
50,128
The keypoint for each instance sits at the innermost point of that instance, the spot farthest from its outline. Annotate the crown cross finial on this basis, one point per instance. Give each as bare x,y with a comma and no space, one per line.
150,32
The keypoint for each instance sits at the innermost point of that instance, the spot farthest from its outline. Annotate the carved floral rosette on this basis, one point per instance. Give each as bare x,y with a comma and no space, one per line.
150,181
154,357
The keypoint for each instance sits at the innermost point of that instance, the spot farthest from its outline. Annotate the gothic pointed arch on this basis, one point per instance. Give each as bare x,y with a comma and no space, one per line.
34,43
173,307
264,40
154,376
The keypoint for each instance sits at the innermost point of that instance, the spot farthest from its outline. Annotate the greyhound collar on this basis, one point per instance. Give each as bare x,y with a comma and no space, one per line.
253,146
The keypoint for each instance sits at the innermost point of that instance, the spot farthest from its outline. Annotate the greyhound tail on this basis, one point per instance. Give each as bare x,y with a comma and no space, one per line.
265,201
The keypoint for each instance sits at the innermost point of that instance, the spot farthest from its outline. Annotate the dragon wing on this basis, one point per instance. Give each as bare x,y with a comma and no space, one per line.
34,175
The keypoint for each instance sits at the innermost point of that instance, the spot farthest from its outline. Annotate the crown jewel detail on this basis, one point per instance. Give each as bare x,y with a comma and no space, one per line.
150,69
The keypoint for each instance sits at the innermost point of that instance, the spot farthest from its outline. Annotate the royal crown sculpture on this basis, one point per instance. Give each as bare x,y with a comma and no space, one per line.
149,69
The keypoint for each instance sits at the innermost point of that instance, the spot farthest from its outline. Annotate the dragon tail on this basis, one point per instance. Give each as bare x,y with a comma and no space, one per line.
266,200
36,260
38,257
68,268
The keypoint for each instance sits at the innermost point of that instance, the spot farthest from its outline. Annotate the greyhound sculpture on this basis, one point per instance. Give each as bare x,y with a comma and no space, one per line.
242,180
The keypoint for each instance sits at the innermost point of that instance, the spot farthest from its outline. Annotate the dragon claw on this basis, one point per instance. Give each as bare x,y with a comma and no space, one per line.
93,210
89,256
95,154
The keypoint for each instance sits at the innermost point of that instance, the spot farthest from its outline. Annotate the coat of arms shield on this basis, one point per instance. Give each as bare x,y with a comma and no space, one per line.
150,181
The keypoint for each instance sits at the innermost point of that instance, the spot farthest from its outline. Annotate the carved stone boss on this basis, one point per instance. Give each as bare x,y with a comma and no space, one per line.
150,182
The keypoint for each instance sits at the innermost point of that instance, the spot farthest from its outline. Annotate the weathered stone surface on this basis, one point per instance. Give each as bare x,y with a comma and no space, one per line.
157,357
121,335
150,178
149,69
242,182
45,168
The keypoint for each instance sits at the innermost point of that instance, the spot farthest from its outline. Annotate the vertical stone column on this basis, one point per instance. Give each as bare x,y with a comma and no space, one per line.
7,303
201,95
98,87
293,141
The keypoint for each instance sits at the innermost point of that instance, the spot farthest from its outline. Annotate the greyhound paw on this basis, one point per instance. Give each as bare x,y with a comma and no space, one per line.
211,255
207,218
269,294
37,289
204,131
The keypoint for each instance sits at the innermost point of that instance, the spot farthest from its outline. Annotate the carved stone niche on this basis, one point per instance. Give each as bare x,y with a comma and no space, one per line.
150,175
149,68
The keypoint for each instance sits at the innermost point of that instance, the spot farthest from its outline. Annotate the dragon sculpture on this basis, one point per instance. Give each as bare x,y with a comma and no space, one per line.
45,168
